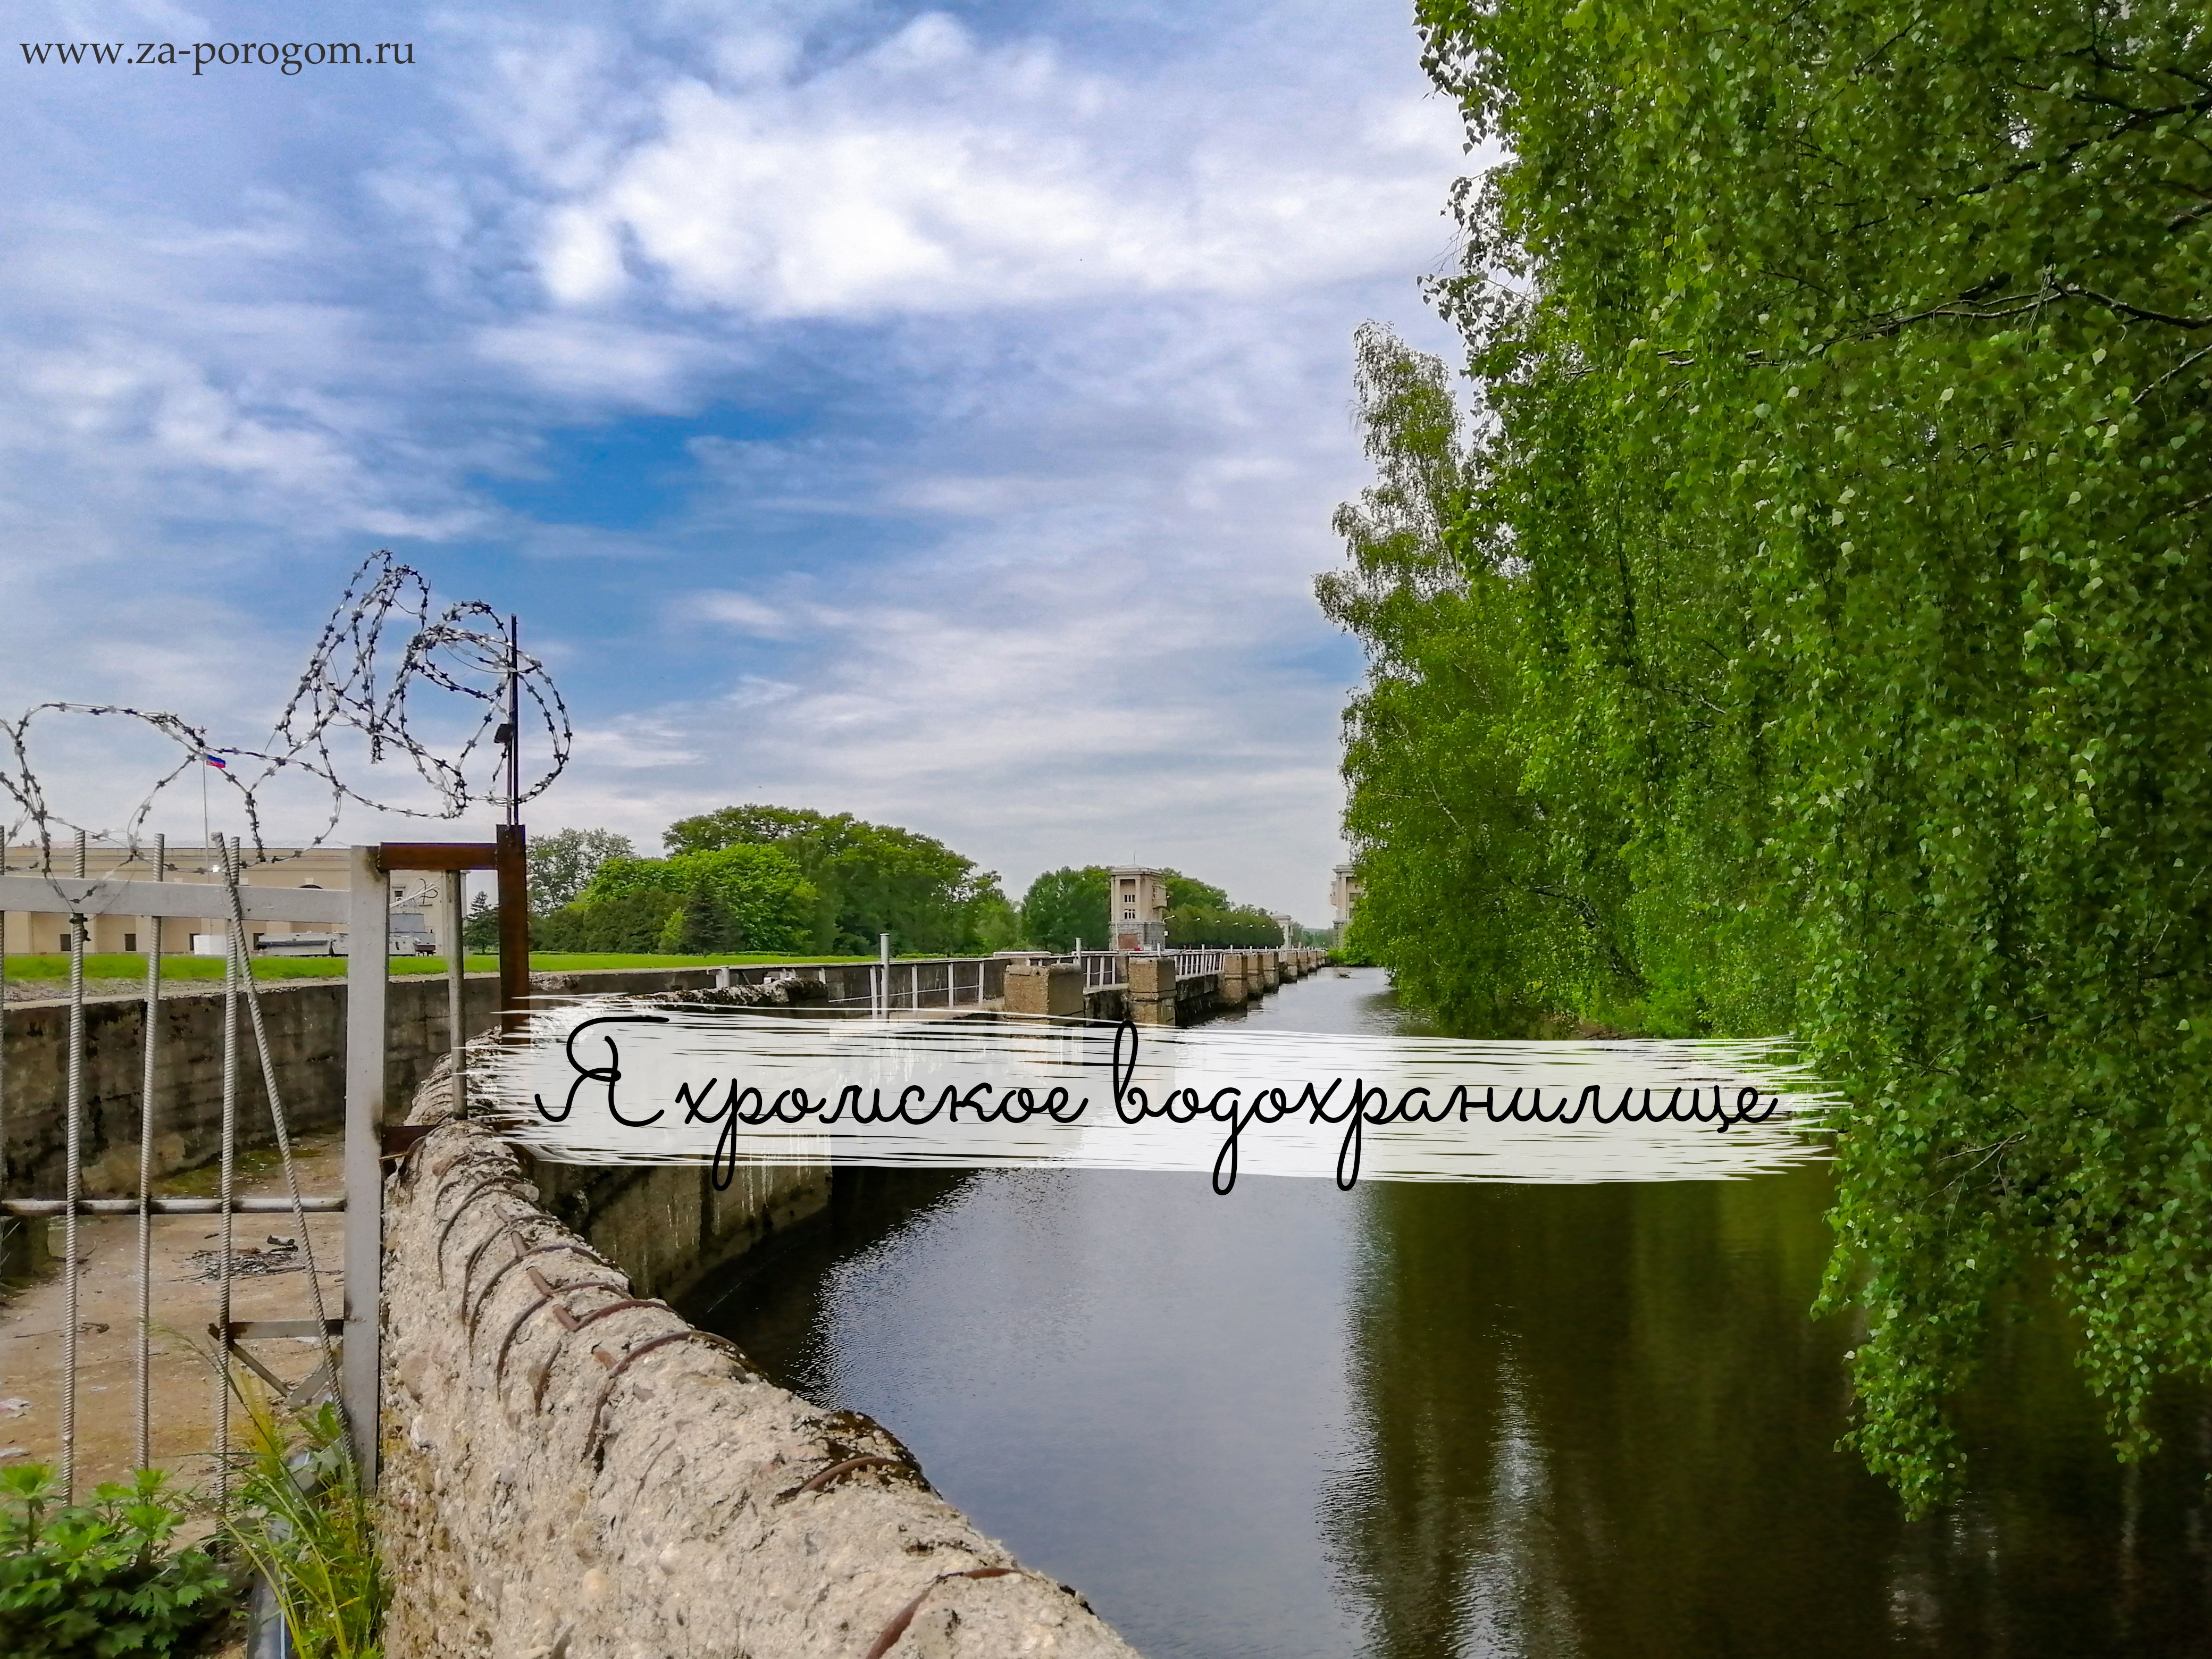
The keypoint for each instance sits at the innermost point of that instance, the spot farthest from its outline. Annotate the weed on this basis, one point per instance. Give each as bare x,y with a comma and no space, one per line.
99,1580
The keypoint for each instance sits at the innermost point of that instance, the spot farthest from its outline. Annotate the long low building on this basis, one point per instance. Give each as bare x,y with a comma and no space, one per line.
417,913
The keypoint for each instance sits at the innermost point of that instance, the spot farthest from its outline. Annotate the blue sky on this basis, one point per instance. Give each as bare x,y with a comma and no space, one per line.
929,412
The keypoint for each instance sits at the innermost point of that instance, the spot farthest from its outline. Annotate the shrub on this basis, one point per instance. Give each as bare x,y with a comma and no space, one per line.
99,1580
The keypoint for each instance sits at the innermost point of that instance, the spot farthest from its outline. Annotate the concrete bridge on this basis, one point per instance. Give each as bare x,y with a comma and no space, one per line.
1166,987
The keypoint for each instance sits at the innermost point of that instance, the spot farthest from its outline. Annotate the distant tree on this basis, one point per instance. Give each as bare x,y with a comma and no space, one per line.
1217,926
996,924
1187,892
1065,905
480,933
562,863
867,878
736,826
628,924
752,898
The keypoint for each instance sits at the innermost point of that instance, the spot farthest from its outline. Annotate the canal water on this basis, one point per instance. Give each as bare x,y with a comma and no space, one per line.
1417,1421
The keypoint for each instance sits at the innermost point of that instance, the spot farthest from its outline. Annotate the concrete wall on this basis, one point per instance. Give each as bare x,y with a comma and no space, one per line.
580,1474
306,1021
306,1030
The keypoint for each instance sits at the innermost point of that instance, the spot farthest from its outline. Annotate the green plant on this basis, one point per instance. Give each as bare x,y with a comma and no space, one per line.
102,1579
1809,630
300,1517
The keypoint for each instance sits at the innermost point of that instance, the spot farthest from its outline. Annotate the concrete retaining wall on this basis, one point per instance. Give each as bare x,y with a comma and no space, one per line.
571,1472
307,1031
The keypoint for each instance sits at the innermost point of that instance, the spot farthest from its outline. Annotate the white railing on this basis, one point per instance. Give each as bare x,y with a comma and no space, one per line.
1104,968
898,986
1100,967
1188,963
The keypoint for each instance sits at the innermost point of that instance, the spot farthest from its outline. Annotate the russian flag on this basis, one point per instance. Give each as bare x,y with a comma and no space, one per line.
216,761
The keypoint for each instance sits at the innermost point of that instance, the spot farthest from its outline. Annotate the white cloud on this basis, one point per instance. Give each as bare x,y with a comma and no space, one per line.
1040,344
597,360
736,611
936,174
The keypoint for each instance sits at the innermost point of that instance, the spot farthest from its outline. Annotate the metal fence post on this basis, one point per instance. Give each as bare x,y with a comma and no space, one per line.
513,862
456,1018
367,968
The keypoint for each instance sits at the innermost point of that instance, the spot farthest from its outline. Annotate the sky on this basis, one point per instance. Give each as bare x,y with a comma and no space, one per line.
934,413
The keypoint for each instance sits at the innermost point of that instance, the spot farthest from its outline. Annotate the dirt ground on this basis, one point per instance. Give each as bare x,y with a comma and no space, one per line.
184,1382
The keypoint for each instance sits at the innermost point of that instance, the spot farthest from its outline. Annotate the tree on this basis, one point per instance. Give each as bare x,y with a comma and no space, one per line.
562,864
1808,629
480,933
868,878
751,898
1238,927
626,924
1065,905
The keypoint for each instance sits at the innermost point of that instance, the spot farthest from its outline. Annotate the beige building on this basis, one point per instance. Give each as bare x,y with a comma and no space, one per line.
1289,924
1343,897
417,913
1137,909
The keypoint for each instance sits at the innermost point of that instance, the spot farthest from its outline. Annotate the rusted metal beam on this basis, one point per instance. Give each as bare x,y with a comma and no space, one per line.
513,867
394,855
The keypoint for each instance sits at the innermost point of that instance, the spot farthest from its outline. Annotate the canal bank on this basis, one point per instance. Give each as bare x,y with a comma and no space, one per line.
1435,1420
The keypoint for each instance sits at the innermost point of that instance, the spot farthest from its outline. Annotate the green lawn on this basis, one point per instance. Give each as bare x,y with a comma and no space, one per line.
133,966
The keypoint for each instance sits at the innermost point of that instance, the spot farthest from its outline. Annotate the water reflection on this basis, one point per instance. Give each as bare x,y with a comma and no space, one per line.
1430,1420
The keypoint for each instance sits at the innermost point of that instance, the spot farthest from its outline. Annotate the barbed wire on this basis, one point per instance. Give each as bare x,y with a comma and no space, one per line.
348,686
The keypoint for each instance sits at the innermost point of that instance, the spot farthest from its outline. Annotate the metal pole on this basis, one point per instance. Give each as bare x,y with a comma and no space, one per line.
149,1041
513,718
456,1010
72,1183
3,1072
232,965
366,944
512,850
883,976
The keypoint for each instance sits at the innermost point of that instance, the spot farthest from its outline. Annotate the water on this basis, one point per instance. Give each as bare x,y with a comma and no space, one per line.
1420,1421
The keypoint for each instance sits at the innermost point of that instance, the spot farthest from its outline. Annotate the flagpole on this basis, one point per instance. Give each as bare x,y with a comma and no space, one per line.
207,839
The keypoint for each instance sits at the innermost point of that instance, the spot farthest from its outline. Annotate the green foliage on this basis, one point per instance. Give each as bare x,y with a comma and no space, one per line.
480,932
101,1580
743,897
1193,926
1063,906
628,924
563,862
300,1515
1808,630
867,878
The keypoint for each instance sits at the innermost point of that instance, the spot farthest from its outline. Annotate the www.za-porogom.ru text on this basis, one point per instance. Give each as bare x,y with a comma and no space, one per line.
290,58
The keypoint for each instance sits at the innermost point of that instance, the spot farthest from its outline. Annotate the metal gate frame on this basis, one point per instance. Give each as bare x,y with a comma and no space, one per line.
365,910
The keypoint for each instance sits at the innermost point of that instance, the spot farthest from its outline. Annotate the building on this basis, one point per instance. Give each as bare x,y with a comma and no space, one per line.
417,913
1344,898
1289,924
1137,909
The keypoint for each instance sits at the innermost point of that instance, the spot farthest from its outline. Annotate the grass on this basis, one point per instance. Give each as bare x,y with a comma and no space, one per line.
129,965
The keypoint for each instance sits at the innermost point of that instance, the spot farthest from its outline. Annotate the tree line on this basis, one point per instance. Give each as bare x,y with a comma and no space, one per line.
784,880
1806,627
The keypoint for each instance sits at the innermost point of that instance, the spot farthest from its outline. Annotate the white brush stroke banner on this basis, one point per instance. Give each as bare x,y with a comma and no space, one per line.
613,1081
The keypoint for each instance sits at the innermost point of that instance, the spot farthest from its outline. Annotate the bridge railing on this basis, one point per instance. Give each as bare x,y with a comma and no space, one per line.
928,982
1190,962
1100,967
1103,967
